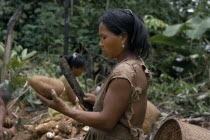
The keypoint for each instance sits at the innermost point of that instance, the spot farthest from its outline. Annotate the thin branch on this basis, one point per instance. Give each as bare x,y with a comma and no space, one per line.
8,43
10,105
198,73
196,120
35,119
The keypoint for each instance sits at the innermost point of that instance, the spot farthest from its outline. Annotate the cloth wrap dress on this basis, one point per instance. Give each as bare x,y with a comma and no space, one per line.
123,129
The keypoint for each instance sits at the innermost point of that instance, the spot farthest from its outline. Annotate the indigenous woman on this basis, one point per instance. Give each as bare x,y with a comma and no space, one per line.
120,106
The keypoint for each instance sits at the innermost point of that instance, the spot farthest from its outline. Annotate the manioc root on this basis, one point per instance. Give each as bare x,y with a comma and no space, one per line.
43,85
45,127
65,127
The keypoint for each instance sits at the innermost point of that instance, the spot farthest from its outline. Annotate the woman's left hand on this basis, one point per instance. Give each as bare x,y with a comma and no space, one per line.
56,103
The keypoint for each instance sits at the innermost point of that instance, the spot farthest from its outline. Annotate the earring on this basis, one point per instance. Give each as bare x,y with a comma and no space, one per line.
123,45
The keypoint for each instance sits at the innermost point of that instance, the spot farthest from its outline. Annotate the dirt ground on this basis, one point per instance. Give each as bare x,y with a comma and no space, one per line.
26,116
28,119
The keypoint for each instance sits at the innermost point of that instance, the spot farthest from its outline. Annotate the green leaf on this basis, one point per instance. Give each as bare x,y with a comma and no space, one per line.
30,54
195,20
13,54
24,54
1,50
198,28
172,30
175,29
171,41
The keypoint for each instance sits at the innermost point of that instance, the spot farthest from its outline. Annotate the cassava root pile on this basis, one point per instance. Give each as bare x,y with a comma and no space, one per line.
57,128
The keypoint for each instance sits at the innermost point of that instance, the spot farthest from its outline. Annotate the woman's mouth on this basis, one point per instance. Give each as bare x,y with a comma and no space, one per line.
103,51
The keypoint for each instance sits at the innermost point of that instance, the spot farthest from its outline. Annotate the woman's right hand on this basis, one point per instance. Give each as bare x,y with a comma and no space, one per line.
6,134
91,98
56,103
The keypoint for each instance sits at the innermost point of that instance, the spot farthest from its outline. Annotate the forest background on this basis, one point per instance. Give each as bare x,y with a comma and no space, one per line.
179,56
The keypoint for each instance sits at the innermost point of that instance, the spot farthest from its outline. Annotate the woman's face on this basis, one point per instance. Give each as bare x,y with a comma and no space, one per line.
110,43
78,71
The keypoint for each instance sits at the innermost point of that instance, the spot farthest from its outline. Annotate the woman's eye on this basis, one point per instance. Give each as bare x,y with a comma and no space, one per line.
102,37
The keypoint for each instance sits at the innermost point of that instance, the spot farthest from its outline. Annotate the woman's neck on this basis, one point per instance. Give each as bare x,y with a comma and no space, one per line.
124,55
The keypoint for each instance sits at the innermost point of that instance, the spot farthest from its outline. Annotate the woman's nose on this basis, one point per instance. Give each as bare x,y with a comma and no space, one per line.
100,44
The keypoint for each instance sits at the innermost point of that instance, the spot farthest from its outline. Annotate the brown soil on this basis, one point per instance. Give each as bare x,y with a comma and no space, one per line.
27,118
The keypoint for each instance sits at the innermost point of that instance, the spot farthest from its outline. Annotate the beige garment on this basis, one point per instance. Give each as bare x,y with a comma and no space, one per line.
123,130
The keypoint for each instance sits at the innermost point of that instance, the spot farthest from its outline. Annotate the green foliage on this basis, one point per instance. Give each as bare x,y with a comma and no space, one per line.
17,65
199,27
154,24
171,41
194,28
178,58
179,96
179,37
175,29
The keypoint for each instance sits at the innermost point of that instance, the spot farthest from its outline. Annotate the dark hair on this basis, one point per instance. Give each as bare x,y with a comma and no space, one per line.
75,60
124,21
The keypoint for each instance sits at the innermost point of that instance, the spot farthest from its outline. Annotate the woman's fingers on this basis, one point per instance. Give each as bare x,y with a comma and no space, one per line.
43,99
1,136
54,95
8,122
5,135
56,103
89,98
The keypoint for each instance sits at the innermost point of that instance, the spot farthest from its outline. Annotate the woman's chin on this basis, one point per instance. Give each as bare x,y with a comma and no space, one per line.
107,56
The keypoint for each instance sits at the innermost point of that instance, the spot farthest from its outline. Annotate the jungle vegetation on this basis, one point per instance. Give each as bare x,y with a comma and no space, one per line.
179,56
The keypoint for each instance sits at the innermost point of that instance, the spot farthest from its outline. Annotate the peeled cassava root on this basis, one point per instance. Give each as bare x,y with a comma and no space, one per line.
152,114
57,128
43,85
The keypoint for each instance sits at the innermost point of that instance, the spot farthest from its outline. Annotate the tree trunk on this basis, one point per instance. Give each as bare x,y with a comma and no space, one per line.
72,7
8,43
107,4
66,27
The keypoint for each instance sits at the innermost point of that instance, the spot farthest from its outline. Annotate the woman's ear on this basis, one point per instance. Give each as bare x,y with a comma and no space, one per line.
124,38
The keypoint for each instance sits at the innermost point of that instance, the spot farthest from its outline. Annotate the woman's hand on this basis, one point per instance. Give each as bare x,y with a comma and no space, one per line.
56,103
6,134
91,98
8,123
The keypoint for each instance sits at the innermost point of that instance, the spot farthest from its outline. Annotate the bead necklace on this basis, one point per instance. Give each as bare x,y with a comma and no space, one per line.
130,57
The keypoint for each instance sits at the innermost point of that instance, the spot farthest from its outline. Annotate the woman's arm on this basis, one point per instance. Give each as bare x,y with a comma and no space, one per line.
5,134
115,103
3,112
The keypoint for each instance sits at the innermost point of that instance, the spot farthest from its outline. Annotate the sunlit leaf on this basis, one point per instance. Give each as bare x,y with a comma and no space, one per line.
198,27
172,30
